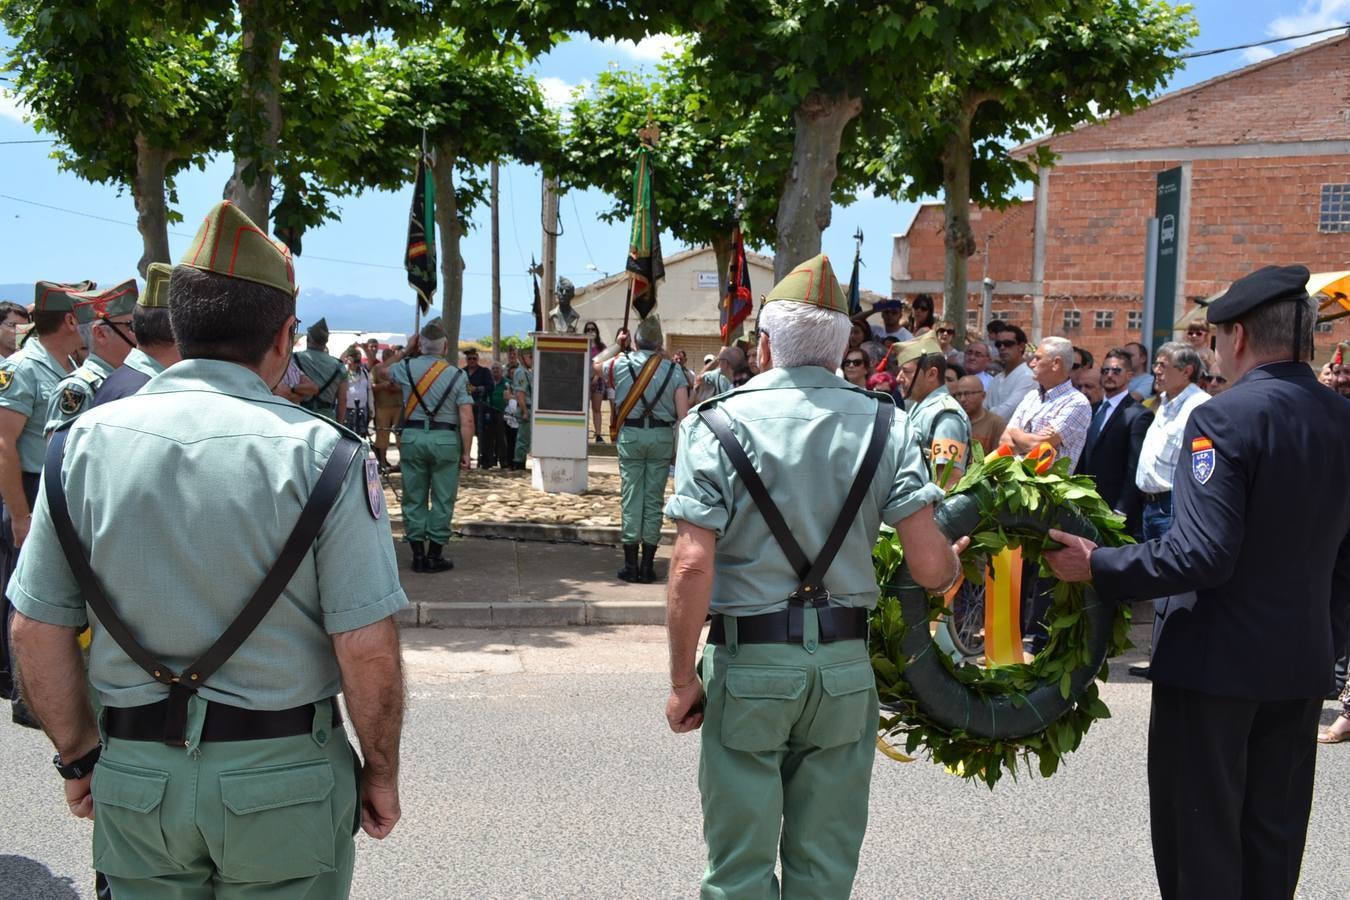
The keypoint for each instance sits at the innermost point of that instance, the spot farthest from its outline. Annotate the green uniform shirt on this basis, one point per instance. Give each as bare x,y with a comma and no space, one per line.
622,371
142,362
720,383
329,376
409,372
523,382
805,429
184,494
941,438
75,393
28,378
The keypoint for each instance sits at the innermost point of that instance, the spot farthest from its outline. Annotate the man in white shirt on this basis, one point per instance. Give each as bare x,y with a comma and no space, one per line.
976,362
1007,389
1178,368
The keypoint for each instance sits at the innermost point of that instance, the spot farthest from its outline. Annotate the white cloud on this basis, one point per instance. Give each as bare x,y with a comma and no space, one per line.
1256,54
649,49
1314,14
557,92
10,107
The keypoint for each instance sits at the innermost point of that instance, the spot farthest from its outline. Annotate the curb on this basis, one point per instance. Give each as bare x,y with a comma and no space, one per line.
604,535
533,614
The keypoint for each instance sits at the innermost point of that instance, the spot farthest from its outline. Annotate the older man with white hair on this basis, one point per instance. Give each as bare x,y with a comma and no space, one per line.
1054,413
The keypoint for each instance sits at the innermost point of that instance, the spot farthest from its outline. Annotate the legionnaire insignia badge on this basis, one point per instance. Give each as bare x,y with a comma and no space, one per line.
6,378
1202,459
374,490
70,401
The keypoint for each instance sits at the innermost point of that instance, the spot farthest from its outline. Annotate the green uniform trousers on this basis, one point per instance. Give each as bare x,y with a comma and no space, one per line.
789,736
523,439
241,819
430,464
644,467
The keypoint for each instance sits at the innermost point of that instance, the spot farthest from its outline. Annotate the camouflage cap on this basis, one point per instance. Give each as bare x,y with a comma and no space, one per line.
120,300
56,296
649,331
230,244
156,293
318,332
908,351
811,282
433,330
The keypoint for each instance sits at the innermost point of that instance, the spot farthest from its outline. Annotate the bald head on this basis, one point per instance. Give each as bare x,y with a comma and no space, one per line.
731,360
969,392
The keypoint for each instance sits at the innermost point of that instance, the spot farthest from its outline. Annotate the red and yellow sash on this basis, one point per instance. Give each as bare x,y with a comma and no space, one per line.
424,385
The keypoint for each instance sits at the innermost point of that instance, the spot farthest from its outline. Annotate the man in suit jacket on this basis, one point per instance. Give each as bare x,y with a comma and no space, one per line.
1257,564
1111,452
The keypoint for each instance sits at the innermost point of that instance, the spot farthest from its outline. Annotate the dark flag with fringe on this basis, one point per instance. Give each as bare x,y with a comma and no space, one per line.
420,257
737,300
645,265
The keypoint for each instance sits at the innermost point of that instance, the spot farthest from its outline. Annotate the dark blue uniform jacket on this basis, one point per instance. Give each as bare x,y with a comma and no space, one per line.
1261,535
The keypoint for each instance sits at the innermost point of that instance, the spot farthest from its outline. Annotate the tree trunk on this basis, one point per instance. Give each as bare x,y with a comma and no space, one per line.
258,109
958,239
805,205
152,213
496,265
447,224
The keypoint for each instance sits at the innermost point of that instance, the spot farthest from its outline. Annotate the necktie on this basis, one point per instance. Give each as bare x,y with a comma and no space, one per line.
1098,419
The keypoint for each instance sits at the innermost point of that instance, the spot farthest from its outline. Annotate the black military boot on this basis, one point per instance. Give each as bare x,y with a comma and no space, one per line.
434,561
419,556
647,571
629,572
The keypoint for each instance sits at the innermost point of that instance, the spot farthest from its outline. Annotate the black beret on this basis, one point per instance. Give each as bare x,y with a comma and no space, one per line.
1271,284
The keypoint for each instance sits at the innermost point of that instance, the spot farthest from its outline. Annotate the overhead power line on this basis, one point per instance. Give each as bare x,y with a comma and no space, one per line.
1277,40
48,141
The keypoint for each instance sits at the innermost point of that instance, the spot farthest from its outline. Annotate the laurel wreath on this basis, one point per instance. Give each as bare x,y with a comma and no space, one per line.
1012,502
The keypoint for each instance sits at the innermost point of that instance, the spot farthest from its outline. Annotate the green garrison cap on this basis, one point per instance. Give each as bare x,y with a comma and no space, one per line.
433,331
156,293
812,282
90,306
56,296
229,244
906,351
318,332
649,331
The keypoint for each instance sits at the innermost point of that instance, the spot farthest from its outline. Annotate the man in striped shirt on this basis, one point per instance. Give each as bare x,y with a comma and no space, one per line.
1054,413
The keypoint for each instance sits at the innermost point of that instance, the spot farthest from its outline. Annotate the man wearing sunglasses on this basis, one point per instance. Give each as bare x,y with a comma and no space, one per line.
104,319
1114,438
1016,380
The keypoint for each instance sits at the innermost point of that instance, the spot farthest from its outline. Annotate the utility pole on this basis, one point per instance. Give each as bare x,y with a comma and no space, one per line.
496,265
550,276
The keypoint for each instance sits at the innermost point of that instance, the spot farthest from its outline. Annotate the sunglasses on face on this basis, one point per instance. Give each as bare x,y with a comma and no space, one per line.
1112,370
1077,366
946,331
855,362
1003,345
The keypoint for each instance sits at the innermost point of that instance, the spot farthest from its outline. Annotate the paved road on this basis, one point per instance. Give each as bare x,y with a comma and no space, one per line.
537,764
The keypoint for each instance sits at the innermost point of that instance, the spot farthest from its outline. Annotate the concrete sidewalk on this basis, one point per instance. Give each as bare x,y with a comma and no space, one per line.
503,583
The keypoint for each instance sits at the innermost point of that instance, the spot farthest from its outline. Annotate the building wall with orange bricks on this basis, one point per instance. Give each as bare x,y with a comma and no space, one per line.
1005,237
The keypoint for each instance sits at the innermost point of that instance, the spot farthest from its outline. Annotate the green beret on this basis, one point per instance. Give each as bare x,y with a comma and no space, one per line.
649,331
812,282
55,296
318,332
432,331
156,293
1271,284
229,244
115,301
906,351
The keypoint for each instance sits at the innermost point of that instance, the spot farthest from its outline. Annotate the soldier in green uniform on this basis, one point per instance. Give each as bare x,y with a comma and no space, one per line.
435,441
225,773
937,422
522,384
326,371
28,378
646,418
155,350
785,694
104,319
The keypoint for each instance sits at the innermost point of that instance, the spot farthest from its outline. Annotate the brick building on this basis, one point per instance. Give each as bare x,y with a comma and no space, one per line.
1265,158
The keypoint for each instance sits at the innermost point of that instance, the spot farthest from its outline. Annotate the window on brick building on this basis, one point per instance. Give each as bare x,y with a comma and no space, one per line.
1324,328
1103,318
1134,320
1334,214
1073,320
972,318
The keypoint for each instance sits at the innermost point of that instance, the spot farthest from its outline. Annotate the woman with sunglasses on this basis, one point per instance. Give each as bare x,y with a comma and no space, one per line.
597,383
922,317
946,333
856,367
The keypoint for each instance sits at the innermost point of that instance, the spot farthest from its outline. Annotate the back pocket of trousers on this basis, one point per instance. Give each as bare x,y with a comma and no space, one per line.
761,705
128,836
278,822
848,705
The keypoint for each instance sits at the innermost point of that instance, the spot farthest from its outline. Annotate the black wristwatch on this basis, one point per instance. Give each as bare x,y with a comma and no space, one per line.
80,767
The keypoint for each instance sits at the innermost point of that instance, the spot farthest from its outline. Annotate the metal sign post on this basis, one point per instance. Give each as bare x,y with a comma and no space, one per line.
1167,253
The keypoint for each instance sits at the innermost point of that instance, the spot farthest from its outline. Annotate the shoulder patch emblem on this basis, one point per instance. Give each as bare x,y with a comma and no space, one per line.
6,379
374,490
1202,459
71,401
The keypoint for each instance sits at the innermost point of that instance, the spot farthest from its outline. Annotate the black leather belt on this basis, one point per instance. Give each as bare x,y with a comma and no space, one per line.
850,623
647,423
1158,498
223,723
433,426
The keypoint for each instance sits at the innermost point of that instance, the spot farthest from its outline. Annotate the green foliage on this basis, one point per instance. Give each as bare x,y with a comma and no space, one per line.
509,342
1002,484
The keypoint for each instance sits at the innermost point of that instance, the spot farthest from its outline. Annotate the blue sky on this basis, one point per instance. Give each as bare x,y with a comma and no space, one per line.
362,253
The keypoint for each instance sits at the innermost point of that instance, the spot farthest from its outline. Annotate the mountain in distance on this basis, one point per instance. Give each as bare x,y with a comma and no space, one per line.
346,312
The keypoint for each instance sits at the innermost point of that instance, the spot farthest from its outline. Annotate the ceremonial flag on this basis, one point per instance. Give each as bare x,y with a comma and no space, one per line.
538,308
854,294
644,244
737,301
420,257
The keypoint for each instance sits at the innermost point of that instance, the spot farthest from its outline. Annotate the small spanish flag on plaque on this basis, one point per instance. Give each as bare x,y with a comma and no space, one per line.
1202,458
